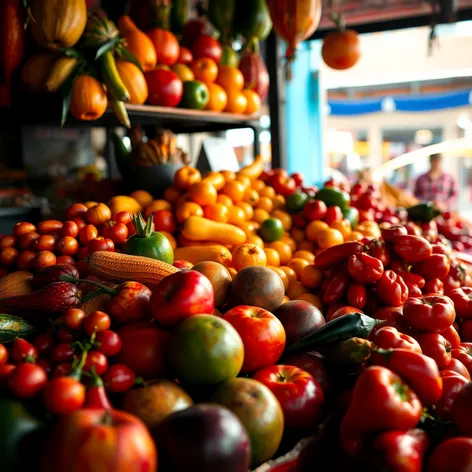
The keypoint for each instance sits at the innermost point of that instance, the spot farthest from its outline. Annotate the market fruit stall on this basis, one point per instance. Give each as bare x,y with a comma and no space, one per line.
246,304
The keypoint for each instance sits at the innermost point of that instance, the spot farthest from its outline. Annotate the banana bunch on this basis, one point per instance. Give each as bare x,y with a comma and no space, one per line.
394,196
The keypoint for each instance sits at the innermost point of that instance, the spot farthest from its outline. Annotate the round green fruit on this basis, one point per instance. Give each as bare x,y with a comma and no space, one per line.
333,197
296,202
271,230
196,95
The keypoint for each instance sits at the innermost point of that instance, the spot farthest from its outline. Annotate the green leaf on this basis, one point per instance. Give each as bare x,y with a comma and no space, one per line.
126,55
70,52
108,46
66,92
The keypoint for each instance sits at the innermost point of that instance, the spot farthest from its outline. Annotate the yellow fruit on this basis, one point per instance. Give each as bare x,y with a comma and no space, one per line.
124,203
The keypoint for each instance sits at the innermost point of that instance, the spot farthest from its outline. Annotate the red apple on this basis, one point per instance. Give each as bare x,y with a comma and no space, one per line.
180,296
298,177
183,265
297,391
283,185
262,333
315,210
315,364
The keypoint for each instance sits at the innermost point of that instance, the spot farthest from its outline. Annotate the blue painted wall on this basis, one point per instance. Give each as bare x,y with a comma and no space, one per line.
304,116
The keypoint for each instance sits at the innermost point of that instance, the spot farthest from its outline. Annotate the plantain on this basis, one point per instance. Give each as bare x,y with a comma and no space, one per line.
111,78
119,109
59,72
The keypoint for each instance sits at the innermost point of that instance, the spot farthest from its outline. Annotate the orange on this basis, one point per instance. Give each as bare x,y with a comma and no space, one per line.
265,203
257,185
157,205
273,258
184,72
260,215
284,217
142,197
188,209
298,264
236,215
232,271
295,289
251,196
256,240
344,227
281,274
237,102
249,227
171,194
171,238
253,102
247,209
246,255
229,175
267,192
279,202
90,204
216,212
355,236
231,79
216,179
218,98
284,250
314,228
298,235
311,277
287,239
234,190
290,273
224,199
313,299
307,255
306,246
329,238
246,181
185,177
203,193
184,198
285,299
205,70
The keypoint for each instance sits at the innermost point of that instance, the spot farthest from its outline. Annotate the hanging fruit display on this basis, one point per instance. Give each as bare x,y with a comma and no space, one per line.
255,73
341,49
252,20
294,21
221,15
179,16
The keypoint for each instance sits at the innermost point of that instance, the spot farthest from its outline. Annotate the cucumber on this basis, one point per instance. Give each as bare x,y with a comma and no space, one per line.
354,325
423,212
12,327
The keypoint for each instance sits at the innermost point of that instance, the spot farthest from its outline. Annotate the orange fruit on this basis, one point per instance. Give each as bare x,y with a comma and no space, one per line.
142,197
231,79
157,205
260,215
251,196
290,273
224,199
257,185
218,98
255,239
267,192
234,190
313,299
184,72
237,102
246,255
253,101
187,209
232,271
284,217
265,203
306,246
205,70
314,228
344,227
281,274
297,234
216,179
247,209
307,255
171,194
298,264
236,215
278,202
285,299
287,239
273,258
246,181
284,250
249,227
329,238
203,193
295,289
216,212
171,238
354,236
229,175
185,177
311,277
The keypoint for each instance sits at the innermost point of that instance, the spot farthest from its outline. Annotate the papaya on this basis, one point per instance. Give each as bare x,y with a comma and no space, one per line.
179,15
252,19
221,14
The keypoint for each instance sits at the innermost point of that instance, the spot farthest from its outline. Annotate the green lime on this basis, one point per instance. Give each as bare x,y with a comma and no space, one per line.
352,215
271,230
333,197
296,202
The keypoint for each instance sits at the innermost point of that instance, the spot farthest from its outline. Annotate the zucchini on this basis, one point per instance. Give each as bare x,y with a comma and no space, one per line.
354,325
12,327
423,212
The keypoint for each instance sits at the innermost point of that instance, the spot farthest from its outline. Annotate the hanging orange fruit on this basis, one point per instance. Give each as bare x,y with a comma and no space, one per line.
341,49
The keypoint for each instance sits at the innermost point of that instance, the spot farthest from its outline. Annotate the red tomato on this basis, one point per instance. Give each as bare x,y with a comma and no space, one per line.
23,351
70,228
25,260
434,266
5,372
65,260
390,338
262,333
67,246
453,383
436,346
23,228
119,378
299,394
165,88
43,344
46,242
333,214
166,45
462,298
391,289
98,361
356,294
283,185
378,249
341,49
452,455
87,234
412,248
315,364
61,353
452,336
74,318
390,233
49,226
63,395
108,342
457,366
117,232
185,56
62,370
76,210
433,286
3,354
95,322
179,296
341,311
207,46
143,349
123,217
461,410
27,240
429,313
27,380
164,220
100,244
364,268
463,353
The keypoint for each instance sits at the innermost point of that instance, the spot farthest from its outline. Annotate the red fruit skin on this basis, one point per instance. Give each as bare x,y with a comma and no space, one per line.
255,74
164,88
412,248
315,364
335,255
299,394
462,409
27,380
463,353
452,336
389,337
451,455
180,296
315,210
429,313
262,333
453,383
462,298
435,346
365,269
131,303
391,289
207,46
457,366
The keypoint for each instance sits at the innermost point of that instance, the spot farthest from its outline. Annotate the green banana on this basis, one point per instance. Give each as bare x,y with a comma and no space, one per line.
111,78
119,109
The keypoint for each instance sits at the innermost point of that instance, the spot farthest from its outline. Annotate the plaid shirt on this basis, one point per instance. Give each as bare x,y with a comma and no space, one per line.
442,189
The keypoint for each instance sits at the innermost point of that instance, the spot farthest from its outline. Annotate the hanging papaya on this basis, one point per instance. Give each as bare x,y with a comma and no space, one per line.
252,19
134,81
138,43
99,29
88,100
294,21
221,14
35,71
179,15
57,24
255,73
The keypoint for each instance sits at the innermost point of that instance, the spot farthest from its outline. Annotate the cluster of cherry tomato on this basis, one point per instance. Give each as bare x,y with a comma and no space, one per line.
68,364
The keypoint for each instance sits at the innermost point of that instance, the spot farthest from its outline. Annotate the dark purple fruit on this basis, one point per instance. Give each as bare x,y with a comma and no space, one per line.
53,274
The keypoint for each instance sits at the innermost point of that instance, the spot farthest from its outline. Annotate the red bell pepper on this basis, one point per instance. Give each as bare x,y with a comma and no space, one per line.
356,295
390,338
434,266
435,286
390,233
380,401
378,249
458,367
462,298
453,383
435,346
451,455
411,278
336,288
96,396
413,290
464,354
391,289
336,254
452,336
429,313
412,248
365,269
